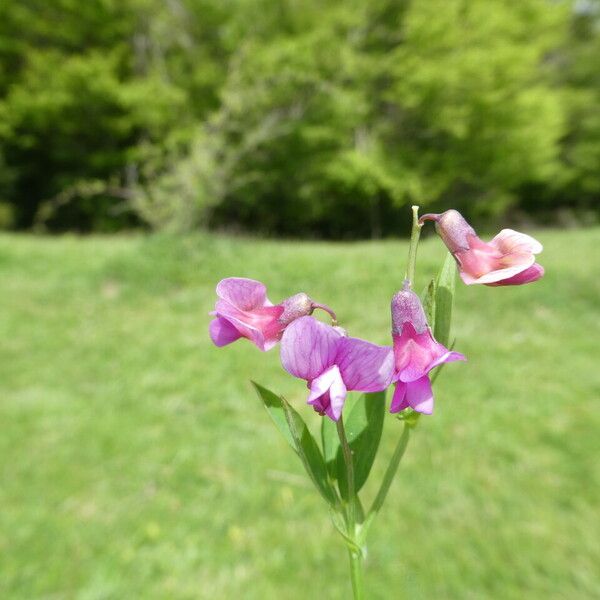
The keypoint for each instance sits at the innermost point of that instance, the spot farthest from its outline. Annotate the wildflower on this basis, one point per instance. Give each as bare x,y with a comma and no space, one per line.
243,310
416,353
333,364
509,259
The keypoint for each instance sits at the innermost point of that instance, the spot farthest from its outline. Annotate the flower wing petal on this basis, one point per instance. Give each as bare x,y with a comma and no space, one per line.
399,401
420,395
446,358
222,332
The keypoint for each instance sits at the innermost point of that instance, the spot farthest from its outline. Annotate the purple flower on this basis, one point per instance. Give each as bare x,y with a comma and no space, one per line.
333,364
243,310
508,259
415,353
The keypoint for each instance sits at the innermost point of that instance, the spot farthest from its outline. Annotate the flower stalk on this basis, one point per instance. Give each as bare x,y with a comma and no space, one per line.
329,311
347,453
415,233
354,549
356,574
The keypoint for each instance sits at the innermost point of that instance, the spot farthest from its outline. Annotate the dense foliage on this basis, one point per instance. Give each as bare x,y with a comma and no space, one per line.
313,118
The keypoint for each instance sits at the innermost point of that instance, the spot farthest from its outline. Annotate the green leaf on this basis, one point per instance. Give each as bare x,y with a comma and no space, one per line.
331,444
274,406
297,434
310,454
363,425
444,300
428,301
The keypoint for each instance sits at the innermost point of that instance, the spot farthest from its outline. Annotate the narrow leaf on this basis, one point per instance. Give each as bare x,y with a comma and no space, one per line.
444,300
310,454
274,406
331,444
298,436
428,301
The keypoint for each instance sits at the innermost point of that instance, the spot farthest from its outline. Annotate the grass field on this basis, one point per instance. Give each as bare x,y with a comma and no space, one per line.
136,462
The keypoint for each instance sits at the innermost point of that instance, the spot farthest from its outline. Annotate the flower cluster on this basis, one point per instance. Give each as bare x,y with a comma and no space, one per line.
333,363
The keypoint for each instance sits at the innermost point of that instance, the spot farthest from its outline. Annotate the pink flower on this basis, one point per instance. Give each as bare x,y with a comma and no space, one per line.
509,259
243,310
333,364
415,353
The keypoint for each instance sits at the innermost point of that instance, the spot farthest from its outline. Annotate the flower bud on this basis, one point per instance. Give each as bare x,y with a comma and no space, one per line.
407,308
294,307
452,228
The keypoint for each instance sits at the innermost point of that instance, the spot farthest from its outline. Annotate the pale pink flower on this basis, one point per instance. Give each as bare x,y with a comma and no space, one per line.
508,259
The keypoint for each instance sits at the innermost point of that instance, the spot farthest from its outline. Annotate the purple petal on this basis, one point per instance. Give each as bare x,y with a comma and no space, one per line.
308,347
365,367
222,332
261,326
420,395
399,401
244,294
328,384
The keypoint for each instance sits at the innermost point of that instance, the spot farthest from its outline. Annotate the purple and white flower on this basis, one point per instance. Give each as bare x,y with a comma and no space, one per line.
333,364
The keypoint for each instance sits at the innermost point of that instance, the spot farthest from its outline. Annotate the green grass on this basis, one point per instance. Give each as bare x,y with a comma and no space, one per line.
136,462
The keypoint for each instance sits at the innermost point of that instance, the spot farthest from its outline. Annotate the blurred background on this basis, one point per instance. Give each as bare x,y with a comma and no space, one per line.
149,148
302,118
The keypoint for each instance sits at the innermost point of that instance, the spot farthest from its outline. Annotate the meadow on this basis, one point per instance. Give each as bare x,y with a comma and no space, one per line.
136,461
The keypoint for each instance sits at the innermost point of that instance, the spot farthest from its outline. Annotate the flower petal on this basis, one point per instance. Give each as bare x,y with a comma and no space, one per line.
365,367
328,386
244,294
533,273
222,332
420,395
399,401
309,347
416,354
509,241
499,274
261,325
446,358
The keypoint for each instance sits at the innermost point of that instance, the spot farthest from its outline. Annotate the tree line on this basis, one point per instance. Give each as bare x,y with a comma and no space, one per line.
313,117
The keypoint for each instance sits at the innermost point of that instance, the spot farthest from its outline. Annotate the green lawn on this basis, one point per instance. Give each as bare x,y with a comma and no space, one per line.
136,461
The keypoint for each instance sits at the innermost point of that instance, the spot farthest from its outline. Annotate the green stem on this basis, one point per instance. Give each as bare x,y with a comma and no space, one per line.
356,574
414,242
349,471
355,554
389,474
